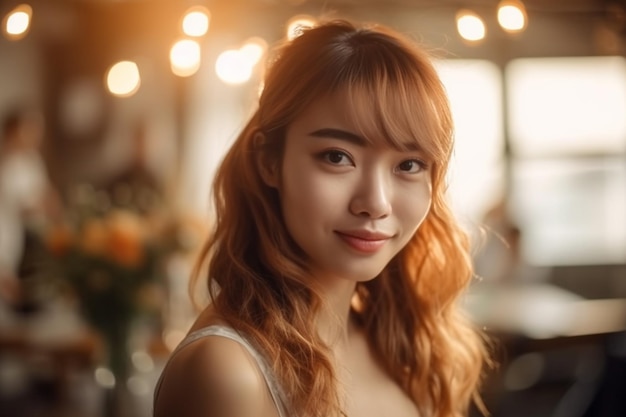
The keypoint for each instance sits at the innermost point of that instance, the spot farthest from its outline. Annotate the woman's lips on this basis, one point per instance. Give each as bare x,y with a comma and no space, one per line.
364,241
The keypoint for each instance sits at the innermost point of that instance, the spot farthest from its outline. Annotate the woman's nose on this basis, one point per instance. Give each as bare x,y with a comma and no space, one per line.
372,198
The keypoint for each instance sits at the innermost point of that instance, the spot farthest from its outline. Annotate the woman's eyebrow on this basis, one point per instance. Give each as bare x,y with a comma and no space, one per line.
339,134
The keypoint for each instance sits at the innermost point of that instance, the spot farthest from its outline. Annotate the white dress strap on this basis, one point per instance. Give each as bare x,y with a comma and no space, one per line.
273,386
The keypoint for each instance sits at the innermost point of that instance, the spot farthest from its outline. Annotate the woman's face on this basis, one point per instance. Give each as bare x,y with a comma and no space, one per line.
350,205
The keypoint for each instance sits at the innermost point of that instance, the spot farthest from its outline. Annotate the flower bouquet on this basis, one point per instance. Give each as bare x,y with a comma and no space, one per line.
110,260
111,267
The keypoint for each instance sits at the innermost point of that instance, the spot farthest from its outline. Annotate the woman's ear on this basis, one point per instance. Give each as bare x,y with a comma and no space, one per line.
267,161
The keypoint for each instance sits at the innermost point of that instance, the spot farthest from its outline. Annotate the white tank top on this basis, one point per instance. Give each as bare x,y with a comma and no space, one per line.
274,388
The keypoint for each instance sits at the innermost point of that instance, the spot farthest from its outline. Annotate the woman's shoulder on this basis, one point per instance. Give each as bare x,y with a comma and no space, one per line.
211,376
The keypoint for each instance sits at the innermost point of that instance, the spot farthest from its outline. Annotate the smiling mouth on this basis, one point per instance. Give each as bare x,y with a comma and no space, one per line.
364,242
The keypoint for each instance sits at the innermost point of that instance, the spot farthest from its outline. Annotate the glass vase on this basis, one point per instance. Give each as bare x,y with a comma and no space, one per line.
117,398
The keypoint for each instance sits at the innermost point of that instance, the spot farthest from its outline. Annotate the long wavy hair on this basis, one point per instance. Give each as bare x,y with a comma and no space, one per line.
256,275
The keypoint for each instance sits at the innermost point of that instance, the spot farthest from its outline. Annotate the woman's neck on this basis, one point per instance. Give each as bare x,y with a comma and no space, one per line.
334,319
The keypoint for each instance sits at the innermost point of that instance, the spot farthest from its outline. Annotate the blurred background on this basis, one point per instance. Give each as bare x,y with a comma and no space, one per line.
115,114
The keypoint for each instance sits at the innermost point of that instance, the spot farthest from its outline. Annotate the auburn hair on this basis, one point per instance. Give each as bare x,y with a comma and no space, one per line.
257,277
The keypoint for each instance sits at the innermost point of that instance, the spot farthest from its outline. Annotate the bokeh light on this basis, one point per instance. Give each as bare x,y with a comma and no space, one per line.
123,79
253,50
512,16
185,57
196,22
470,26
16,23
233,67
104,377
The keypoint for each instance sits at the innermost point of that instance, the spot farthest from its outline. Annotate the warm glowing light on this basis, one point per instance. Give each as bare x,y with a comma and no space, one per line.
17,22
123,79
253,50
298,24
470,26
232,67
185,58
196,22
104,377
142,361
512,16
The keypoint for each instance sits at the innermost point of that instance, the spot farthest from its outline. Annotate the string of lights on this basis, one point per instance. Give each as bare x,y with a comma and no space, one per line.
236,66
512,18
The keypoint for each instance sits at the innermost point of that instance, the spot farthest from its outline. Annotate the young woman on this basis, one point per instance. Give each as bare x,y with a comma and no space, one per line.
336,266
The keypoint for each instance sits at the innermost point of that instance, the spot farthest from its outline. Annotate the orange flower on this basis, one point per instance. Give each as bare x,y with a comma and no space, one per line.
126,238
94,236
59,239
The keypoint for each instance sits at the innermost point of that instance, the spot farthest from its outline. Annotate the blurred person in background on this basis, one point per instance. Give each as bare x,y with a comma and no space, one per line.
27,201
499,259
136,185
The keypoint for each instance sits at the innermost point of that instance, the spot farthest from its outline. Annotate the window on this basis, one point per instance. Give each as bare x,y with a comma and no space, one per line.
566,106
477,168
568,135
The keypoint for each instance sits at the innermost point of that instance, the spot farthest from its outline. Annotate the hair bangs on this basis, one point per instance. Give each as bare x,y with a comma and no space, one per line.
398,101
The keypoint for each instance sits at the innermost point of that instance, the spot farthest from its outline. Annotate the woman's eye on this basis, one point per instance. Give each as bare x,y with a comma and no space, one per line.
337,158
411,166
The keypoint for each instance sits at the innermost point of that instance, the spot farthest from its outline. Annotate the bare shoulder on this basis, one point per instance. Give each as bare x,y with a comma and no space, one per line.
213,377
